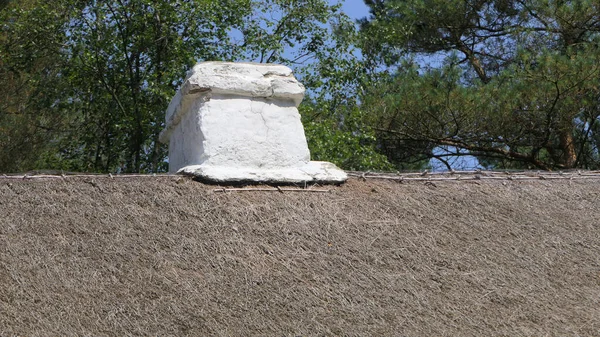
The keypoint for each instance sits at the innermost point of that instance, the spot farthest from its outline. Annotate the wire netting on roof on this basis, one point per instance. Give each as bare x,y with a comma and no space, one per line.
170,256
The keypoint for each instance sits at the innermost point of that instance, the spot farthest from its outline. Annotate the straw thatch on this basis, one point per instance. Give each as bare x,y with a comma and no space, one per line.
171,256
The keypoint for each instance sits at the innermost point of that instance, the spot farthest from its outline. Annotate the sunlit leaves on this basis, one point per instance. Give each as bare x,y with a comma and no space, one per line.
517,85
118,63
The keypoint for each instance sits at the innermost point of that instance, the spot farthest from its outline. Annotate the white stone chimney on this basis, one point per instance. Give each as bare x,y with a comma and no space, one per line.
233,122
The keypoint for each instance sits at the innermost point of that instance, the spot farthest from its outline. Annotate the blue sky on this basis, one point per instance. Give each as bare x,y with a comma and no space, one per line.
355,9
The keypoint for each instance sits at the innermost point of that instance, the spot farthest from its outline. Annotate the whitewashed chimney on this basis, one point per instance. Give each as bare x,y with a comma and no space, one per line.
233,122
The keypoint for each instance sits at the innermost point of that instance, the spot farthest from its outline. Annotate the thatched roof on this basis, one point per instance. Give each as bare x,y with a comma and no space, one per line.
171,256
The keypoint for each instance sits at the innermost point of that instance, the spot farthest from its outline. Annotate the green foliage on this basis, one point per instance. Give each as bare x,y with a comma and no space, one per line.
518,87
95,77
332,116
29,66
86,82
344,143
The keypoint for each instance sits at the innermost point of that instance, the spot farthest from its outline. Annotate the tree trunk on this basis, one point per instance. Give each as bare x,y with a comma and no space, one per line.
568,158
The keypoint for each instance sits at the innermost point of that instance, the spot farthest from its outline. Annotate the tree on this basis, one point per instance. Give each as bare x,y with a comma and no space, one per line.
4,3
331,112
518,85
31,38
340,138
119,62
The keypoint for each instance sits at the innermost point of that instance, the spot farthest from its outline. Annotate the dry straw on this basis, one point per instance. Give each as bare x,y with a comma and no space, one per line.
171,256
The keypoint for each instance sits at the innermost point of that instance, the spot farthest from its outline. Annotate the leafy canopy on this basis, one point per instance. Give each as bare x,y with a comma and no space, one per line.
92,78
517,86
